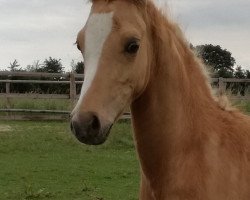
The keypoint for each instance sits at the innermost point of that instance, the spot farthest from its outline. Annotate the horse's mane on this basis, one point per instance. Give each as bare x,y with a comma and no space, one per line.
138,3
159,20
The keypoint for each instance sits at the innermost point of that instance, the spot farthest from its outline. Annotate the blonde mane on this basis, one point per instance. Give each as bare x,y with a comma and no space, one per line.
161,19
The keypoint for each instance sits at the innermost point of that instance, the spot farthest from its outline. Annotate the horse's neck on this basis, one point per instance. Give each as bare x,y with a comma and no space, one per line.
170,110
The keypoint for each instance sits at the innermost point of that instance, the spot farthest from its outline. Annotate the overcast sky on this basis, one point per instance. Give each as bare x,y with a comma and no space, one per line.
36,29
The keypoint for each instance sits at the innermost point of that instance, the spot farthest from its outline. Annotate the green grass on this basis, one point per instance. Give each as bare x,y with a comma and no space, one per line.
39,104
244,106
42,160
64,104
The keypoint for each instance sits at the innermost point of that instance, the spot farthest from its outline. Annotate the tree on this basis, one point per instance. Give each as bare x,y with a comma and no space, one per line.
14,66
51,65
78,67
240,88
239,72
219,59
247,74
34,67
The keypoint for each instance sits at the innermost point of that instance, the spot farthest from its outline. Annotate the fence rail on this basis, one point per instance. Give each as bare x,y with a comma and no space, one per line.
72,80
64,76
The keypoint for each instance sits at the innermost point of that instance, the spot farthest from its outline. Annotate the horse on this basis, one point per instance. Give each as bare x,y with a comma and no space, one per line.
190,144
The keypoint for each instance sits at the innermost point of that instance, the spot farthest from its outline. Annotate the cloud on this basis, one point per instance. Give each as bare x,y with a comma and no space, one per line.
35,29
31,30
214,13
224,22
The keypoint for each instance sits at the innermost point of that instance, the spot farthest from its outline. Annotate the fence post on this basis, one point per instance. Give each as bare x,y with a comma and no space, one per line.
72,89
8,104
222,88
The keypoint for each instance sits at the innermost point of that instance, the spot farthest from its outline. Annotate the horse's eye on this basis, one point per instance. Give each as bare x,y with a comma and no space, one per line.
78,47
132,46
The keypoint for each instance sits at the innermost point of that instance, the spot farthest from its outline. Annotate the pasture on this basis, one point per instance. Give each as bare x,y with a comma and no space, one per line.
42,160
36,104
64,104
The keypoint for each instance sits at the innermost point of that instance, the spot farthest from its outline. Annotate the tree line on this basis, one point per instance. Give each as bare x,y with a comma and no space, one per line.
220,62
50,65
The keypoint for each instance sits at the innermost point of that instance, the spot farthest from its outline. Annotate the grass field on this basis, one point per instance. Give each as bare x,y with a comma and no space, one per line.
39,104
42,160
56,104
244,106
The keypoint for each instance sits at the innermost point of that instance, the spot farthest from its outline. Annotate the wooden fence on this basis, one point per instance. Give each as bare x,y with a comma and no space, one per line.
223,85
68,78
72,80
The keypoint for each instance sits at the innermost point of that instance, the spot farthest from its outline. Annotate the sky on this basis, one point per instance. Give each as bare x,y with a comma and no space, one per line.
36,29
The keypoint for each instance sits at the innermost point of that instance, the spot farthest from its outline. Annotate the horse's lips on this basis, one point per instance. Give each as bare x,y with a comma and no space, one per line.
98,139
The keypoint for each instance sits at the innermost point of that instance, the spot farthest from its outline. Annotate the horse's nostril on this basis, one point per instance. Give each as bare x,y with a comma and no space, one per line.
95,123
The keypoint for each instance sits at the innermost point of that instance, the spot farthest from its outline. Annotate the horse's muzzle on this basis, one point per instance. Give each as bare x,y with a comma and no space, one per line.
88,129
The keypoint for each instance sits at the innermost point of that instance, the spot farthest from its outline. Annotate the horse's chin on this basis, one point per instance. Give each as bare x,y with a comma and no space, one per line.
98,140
94,141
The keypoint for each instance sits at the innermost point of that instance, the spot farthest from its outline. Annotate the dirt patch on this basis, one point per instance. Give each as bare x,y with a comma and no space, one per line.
5,128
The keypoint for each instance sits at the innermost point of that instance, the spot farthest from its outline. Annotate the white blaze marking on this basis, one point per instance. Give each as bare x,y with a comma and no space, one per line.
99,27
